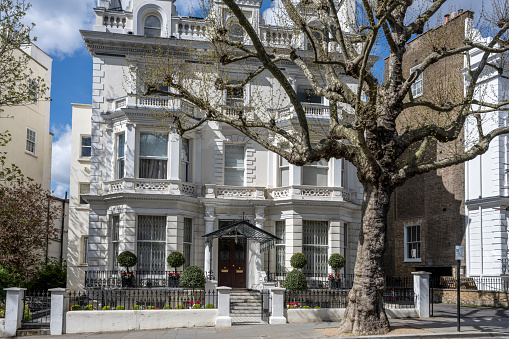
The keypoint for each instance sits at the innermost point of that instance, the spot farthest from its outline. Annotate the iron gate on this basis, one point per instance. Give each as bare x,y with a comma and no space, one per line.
36,309
266,305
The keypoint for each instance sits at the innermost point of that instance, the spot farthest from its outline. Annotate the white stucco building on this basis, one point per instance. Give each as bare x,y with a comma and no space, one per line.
487,181
136,186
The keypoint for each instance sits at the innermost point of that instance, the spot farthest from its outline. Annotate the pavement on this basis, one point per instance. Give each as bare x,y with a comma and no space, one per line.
475,322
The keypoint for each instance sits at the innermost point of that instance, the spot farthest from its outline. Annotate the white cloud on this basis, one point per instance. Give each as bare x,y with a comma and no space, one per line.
61,160
58,23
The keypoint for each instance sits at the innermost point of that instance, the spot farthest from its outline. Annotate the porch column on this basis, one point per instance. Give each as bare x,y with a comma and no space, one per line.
259,262
209,227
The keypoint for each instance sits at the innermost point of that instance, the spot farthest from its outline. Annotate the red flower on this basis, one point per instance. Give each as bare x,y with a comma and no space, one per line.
331,276
291,304
337,275
170,274
197,302
177,273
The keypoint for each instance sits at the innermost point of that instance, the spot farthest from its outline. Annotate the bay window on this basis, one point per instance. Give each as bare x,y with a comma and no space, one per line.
234,165
153,162
151,243
315,246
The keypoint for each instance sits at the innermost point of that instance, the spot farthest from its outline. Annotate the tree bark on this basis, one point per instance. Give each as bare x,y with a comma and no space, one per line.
365,314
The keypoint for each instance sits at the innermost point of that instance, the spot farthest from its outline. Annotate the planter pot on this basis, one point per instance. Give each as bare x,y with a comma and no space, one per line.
128,282
174,281
335,284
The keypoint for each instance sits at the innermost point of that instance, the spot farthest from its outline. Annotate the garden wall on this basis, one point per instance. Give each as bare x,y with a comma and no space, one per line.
472,297
336,314
109,321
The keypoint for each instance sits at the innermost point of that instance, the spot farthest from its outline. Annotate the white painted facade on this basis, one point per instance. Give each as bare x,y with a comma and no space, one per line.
487,181
118,119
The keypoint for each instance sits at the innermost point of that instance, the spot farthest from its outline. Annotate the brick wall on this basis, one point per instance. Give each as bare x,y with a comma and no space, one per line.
478,298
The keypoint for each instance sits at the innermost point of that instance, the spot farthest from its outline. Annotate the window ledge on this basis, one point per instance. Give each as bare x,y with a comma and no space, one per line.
84,159
83,207
31,154
413,260
82,265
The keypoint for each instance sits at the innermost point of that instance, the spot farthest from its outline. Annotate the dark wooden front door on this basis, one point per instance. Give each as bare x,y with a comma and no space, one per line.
232,262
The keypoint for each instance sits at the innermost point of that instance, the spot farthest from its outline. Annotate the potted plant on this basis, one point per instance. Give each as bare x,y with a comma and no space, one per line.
336,262
295,280
192,277
175,259
127,259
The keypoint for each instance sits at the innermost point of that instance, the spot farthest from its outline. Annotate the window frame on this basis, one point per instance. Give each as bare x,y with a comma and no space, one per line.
280,246
119,171
187,245
82,136
162,265
33,142
235,97
145,27
186,164
408,242
81,201
115,243
243,168
83,252
140,157
316,271
317,166
418,84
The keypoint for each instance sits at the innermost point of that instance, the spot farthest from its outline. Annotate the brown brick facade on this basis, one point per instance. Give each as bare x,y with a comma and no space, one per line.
434,200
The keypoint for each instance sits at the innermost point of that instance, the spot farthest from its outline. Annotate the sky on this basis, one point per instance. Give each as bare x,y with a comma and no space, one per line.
57,30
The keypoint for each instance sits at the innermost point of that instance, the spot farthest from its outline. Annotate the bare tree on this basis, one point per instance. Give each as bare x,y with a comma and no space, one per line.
376,125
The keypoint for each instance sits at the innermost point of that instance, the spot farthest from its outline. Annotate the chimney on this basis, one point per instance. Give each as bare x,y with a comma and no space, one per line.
460,11
453,15
446,18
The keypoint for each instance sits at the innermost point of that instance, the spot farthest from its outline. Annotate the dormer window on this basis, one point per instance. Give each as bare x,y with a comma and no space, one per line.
152,27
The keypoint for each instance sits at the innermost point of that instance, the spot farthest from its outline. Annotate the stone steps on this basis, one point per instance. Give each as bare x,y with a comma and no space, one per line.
245,303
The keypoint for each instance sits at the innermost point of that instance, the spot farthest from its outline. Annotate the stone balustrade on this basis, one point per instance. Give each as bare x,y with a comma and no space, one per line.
152,186
191,29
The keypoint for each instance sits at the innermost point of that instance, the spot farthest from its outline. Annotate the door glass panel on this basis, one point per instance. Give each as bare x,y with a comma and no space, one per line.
240,250
224,250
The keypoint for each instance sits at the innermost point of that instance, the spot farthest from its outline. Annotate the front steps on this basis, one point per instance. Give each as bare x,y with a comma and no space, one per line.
245,303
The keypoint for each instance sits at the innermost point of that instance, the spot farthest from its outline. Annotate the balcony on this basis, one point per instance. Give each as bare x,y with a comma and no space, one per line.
234,192
154,102
310,193
151,186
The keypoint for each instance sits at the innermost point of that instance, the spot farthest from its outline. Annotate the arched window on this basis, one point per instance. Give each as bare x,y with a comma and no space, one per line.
235,33
152,27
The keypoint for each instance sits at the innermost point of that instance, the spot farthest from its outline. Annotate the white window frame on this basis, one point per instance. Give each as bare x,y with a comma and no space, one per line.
318,165
80,187
86,147
185,164
140,157
418,85
120,162
409,242
31,141
282,165
232,98
139,242
115,240
243,168
83,253
310,247
280,231
187,243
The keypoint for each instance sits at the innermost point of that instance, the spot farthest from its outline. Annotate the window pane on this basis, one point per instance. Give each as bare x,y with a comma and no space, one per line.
84,258
234,156
86,143
153,22
153,145
185,149
115,228
151,242
315,246
152,227
234,177
121,145
284,177
314,176
153,168
151,256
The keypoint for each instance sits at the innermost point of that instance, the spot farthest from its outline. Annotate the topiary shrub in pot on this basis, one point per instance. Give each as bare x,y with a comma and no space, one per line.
127,259
295,281
175,259
298,260
336,262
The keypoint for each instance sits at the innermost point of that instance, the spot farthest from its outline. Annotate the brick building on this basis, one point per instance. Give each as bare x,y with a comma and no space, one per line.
427,216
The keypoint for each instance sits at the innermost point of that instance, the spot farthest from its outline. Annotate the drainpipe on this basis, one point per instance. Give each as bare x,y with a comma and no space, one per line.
62,230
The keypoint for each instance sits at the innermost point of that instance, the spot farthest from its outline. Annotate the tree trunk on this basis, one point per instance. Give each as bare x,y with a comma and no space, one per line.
365,314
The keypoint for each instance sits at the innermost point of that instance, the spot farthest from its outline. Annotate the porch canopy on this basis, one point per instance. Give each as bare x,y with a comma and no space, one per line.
245,228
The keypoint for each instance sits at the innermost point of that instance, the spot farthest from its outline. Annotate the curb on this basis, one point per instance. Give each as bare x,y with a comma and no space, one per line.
431,335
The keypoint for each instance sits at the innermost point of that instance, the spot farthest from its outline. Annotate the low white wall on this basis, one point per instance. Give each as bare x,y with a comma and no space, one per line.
109,321
2,327
336,314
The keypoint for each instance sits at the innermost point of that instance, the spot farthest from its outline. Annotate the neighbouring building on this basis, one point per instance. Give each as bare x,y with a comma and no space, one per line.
427,215
28,124
230,206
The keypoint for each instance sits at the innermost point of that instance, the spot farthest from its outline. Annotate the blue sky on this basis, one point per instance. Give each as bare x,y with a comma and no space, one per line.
57,29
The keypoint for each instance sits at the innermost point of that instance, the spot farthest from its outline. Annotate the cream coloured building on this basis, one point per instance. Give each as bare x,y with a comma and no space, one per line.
30,147
149,191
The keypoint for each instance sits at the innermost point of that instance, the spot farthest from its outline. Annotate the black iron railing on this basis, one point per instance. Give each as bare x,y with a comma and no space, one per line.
36,309
133,279
471,283
135,299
